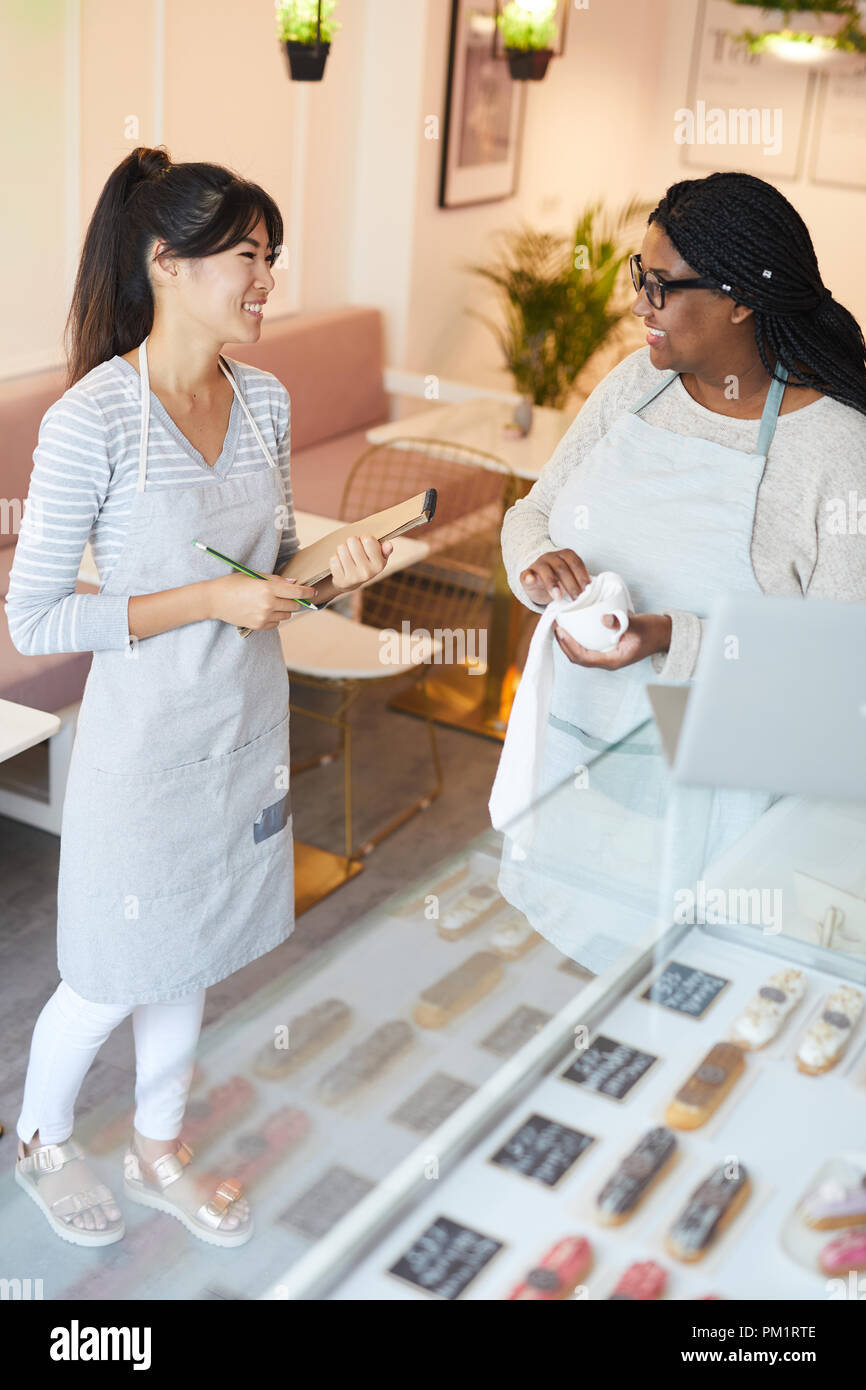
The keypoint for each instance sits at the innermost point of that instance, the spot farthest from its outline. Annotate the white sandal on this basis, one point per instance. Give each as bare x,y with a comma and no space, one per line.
205,1222
51,1158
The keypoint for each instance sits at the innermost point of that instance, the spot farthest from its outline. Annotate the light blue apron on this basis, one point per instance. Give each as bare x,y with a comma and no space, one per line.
176,859
673,514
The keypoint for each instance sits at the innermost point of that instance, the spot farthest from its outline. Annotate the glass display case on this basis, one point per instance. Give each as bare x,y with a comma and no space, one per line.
692,1123
447,1102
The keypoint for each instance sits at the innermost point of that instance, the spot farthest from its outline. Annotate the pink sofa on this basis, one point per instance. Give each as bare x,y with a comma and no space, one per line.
331,365
42,682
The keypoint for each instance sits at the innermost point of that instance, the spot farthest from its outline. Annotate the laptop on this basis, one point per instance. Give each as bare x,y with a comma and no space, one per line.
778,701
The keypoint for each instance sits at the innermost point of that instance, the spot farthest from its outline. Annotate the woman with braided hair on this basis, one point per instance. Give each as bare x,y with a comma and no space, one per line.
714,460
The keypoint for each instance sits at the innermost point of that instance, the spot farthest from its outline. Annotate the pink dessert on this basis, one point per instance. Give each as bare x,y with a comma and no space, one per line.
559,1273
846,1252
643,1280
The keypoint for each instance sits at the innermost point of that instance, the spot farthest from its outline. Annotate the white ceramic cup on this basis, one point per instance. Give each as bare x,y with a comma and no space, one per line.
586,627
585,624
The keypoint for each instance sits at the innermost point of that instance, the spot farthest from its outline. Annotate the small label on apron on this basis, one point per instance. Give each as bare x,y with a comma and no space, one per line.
272,818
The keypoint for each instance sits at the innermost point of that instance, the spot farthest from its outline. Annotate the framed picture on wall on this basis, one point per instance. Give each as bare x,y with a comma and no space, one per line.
839,147
484,111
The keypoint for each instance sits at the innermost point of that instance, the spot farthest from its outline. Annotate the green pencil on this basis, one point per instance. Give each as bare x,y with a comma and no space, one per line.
253,574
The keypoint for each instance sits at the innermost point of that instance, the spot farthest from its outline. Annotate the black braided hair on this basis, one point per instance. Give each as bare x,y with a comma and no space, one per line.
743,233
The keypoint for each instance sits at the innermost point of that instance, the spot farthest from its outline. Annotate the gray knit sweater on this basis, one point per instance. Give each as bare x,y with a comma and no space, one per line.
809,531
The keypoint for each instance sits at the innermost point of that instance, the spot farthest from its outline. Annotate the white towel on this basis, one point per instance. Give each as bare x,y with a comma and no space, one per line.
514,787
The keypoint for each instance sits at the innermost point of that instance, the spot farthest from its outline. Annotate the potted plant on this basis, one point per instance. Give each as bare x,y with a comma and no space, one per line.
528,36
563,297
820,33
306,28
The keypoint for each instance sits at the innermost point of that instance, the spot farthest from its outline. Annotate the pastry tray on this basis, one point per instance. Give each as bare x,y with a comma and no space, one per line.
782,1125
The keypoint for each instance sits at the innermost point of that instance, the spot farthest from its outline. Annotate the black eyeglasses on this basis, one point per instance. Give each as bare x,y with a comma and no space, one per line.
656,289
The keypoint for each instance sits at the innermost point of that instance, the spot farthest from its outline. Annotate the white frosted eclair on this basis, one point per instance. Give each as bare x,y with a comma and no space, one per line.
828,1038
472,908
767,1011
513,937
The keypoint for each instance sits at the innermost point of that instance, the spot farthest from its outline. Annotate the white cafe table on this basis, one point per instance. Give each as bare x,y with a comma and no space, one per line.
22,727
454,698
479,424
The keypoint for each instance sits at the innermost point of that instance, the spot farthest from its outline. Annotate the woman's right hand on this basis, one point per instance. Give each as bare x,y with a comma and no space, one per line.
256,603
555,574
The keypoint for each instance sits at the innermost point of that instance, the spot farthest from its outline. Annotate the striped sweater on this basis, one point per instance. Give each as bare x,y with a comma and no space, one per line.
85,472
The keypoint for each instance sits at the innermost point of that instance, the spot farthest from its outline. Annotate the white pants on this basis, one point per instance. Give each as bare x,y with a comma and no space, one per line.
68,1034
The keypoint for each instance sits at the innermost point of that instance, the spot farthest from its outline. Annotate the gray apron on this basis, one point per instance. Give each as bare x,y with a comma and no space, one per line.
176,858
673,514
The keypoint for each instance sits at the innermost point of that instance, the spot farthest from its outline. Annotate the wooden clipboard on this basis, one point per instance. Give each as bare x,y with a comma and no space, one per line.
310,565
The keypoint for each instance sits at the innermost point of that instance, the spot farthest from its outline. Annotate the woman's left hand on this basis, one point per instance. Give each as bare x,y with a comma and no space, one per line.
646,633
358,559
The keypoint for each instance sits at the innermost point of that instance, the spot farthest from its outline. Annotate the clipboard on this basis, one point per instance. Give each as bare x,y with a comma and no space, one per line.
310,564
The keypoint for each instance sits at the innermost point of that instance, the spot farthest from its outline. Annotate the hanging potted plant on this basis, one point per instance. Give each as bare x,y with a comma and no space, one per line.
822,34
306,28
528,34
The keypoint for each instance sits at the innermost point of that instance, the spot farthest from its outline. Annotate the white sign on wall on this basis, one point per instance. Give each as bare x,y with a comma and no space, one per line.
743,111
839,150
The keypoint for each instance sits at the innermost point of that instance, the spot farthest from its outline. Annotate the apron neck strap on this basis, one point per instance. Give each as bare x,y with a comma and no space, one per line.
236,387
654,391
769,414
145,413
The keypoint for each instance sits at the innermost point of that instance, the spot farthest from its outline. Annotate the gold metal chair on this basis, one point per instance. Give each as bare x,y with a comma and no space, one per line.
445,593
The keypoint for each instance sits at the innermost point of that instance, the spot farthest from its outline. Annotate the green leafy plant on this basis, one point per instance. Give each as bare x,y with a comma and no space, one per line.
561,297
849,38
524,30
296,21
809,6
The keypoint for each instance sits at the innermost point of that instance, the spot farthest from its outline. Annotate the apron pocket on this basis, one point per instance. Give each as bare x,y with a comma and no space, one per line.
157,834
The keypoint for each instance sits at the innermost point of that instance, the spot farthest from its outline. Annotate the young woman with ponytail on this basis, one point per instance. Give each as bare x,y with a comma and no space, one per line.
176,864
714,460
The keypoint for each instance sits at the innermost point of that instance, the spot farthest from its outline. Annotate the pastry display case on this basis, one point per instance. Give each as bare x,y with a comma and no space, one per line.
442,1103
692,1123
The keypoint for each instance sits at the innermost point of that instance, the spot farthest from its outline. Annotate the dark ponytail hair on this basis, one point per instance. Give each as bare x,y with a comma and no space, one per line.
197,209
735,228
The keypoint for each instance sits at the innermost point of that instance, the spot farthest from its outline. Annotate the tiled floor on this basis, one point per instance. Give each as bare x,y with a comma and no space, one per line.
391,758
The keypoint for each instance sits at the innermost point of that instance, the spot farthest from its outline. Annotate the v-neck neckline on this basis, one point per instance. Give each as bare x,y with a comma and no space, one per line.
227,454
